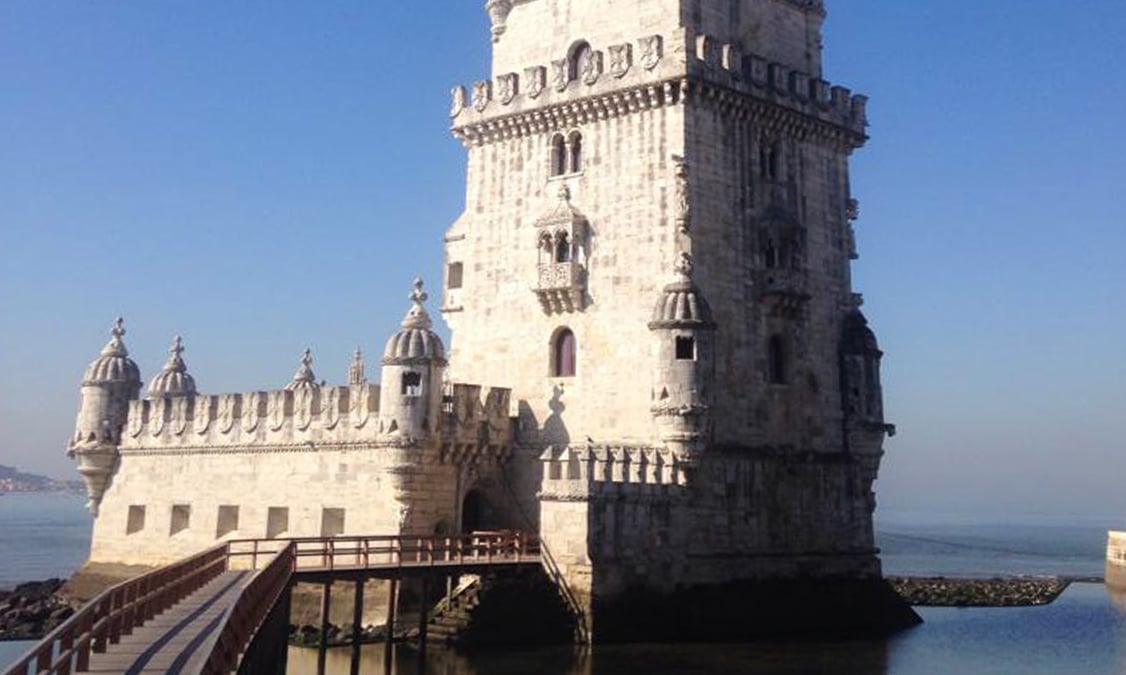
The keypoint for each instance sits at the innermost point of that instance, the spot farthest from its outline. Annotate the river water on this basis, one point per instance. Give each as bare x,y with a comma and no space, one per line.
1082,632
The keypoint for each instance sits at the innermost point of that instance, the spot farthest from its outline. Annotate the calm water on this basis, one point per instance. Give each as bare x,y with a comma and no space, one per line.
1083,632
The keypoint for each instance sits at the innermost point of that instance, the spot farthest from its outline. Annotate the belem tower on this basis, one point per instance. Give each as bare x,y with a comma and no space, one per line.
657,360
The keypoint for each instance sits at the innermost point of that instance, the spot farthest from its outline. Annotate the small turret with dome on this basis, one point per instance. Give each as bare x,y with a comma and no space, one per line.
173,379
684,371
304,378
860,374
414,361
111,381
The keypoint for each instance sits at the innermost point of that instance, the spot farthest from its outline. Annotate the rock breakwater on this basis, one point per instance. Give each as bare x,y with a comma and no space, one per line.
996,592
30,611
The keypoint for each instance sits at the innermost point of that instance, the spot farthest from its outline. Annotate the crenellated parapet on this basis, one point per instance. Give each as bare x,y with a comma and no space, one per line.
321,414
652,72
579,474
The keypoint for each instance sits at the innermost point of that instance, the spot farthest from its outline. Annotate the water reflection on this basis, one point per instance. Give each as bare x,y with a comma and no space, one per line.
1082,632
851,658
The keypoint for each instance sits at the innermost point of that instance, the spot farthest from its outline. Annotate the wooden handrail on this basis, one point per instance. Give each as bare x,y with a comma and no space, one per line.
242,620
116,612
394,551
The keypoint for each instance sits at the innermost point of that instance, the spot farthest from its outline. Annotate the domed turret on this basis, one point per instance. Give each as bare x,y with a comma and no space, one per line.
861,393
684,367
173,379
113,365
413,363
110,383
304,377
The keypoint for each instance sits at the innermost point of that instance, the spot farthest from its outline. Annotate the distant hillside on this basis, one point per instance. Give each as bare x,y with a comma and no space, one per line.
14,480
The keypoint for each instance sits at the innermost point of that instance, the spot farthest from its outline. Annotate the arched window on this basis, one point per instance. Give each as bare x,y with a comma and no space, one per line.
563,249
563,354
581,54
776,360
558,155
575,146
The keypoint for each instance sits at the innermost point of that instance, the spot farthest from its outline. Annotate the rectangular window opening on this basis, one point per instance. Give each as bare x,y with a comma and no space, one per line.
685,349
332,522
277,521
227,522
136,520
181,518
412,385
453,275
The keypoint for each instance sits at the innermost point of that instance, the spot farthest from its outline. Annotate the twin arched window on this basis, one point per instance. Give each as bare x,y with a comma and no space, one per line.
563,353
566,154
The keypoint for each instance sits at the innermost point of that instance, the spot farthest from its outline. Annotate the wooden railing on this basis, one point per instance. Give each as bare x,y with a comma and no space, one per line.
116,612
313,554
240,623
582,628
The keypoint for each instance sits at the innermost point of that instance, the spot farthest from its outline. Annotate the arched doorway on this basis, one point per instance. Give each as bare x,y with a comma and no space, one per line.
473,512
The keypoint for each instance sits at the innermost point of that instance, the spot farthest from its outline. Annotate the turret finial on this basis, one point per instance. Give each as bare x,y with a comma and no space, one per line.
116,346
683,267
564,194
173,379
416,316
304,377
356,370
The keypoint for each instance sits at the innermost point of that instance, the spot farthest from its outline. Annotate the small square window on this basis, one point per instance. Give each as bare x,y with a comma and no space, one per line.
181,518
332,522
685,349
277,521
453,275
228,521
412,385
136,521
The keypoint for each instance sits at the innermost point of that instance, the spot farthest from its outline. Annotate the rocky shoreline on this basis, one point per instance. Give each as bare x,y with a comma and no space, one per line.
995,592
30,611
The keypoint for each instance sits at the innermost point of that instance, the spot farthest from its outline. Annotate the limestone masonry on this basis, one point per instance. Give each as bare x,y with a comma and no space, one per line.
657,360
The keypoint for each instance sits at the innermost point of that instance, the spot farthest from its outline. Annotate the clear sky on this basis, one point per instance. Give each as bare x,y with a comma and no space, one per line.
265,176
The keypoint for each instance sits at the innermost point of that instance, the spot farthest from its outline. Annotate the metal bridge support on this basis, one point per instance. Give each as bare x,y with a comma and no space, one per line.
389,638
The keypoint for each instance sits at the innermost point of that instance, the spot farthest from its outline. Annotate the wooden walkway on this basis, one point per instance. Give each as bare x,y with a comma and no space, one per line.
205,614
179,640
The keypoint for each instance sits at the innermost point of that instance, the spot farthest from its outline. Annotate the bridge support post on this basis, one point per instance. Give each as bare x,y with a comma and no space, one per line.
357,625
389,638
423,614
322,648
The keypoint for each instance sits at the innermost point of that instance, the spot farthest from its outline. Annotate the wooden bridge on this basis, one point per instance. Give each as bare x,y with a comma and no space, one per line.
227,609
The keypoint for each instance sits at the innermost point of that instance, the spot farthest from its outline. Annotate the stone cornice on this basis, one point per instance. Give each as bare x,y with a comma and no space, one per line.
656,72
774,118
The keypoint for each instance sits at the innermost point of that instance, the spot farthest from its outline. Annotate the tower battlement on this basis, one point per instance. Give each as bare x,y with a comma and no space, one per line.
321,415
649,72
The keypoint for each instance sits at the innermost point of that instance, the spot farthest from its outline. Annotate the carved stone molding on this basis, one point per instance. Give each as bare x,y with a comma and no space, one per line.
621,58
652,49
536,77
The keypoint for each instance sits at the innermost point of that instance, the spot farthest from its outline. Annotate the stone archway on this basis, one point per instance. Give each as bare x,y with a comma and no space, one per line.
474,508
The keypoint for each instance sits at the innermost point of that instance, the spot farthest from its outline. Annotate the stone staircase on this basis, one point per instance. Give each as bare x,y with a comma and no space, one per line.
452,616
523,608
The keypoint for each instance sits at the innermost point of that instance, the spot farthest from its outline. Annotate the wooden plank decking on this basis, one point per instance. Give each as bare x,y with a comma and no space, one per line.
180,639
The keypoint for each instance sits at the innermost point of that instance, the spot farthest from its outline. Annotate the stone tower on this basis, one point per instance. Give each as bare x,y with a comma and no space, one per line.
719,431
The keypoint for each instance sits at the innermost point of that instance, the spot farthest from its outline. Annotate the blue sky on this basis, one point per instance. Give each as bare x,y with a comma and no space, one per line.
265,176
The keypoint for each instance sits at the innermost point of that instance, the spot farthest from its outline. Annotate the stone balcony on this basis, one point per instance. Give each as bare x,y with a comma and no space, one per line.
560,287
783,291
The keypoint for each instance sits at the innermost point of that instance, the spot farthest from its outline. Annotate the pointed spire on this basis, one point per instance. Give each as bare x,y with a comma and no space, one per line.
304,377
564,194
356,370
116,346
416,316
173,379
